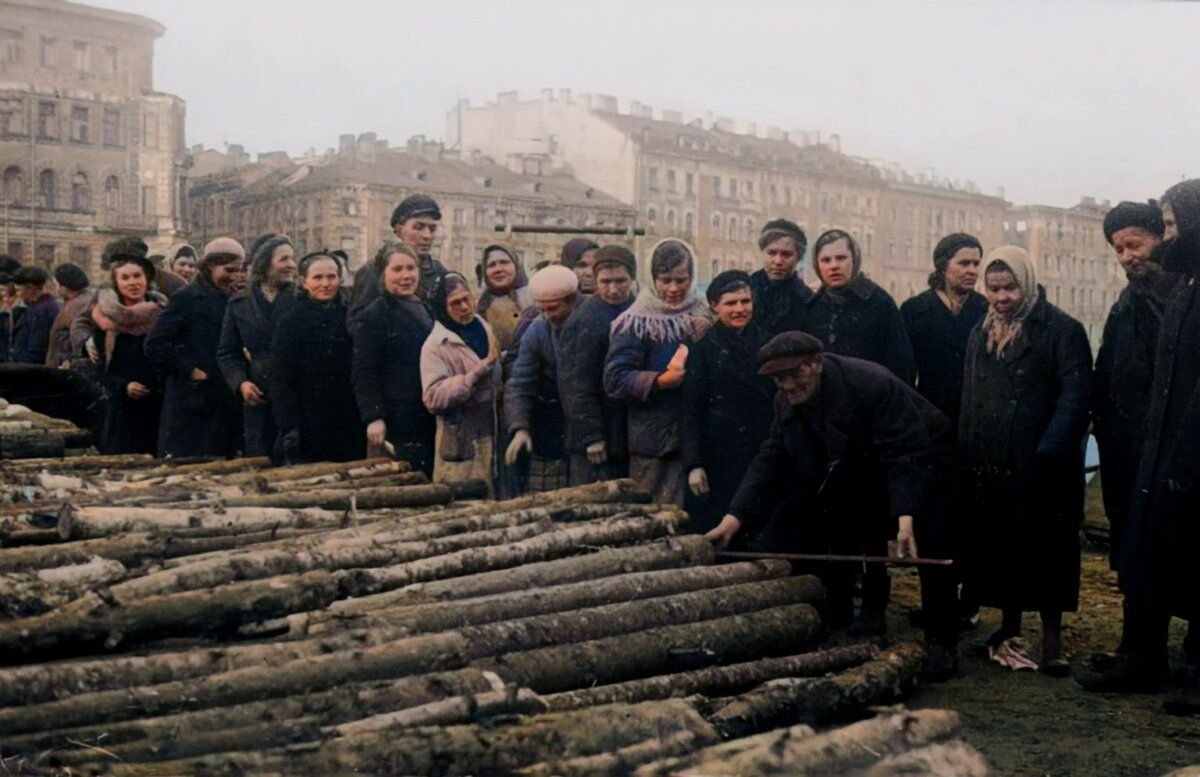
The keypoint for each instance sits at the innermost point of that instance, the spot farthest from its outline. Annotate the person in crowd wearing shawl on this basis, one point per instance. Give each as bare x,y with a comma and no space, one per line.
181,260
850,461
200,415
11,308
505,292
579,256
388,337
727,406
1156,562
647,358
532,411
851,314
597,426
461,385
1026,397
779,292
132,386
311,361
32,338
77,296
244,352
415,223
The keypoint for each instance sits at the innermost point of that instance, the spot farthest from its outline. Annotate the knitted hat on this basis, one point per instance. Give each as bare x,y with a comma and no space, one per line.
729,280
223,250
553,283
616,255
786,351
416,205
1144,215
71,276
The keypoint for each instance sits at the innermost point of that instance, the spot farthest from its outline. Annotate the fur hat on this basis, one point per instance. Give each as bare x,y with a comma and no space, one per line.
129,247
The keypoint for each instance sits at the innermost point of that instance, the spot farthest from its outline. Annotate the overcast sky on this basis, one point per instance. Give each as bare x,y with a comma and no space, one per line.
1050,100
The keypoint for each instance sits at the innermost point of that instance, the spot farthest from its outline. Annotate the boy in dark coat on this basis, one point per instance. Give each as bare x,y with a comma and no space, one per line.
32,338
244,352
201,416
779,290
596,425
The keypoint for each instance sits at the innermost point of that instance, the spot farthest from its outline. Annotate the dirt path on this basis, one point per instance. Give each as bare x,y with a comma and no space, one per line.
1030,724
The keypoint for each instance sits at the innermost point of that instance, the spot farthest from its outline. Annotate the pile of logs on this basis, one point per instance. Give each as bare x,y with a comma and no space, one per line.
231,618
26,434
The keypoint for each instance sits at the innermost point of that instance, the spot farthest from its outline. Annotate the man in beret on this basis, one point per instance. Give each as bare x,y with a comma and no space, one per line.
415,222
779,291
597,433
32,337
532,412
201,416
850,462
77,294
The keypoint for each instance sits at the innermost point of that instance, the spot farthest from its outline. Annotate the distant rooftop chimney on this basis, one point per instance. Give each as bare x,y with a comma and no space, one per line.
675,117
604,102
640,111
548,95
345,143
725,124
507,98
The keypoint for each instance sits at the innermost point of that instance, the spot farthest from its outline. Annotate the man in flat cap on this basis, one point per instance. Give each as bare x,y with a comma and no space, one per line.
849,463
415,222
201,416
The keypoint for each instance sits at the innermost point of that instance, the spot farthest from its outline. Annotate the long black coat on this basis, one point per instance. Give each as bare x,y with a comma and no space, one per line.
833,475
582,349
244,354
387,378
311,385
939,344
200,418
1163,532
779,305
1124,382
1023,426
727,411
128,425
862,321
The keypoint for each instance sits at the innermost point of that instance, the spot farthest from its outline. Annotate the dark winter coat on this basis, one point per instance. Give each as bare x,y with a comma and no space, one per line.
32,337
10,321
939,343
367,289
387,378
1023,426
779,305
200,418
1158,551
861,320
531,400
244,354
128,425
834,474
1124,382
727,411
591,416
311,389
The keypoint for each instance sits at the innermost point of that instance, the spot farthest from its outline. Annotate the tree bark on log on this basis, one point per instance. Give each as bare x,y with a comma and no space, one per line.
622,761
413,491
452,711
799,751
124,461
219,467
95,522
715,680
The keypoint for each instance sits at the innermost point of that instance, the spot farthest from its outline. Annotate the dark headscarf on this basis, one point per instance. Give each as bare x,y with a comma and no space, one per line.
1143,215
260,264
945,250
1184,199
573,250
486,296
473,334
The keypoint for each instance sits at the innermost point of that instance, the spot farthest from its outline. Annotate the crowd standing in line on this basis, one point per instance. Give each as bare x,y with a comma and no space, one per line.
785,419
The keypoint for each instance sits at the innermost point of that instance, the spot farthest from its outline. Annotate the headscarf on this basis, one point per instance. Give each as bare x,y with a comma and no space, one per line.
574,249
945,250
486,296
829,237
260,265
1146,216
474,334
651,318
1002,330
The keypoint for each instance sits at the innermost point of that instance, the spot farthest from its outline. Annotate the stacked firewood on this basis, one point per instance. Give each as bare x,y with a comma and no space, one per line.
231,618
26,434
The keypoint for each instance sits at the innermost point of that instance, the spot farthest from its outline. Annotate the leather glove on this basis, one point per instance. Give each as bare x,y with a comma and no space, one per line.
597,453
698,481
521,441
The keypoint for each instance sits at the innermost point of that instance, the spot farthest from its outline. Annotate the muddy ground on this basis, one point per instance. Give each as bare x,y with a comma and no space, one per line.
1026,723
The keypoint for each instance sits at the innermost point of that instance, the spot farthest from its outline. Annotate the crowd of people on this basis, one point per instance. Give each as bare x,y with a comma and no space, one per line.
824,420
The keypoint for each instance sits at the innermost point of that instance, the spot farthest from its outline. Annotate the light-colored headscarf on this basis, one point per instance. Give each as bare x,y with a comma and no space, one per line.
1002,330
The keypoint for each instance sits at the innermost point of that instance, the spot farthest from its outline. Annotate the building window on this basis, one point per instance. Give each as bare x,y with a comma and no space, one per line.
733,224
47,127
651,214
112,126
46,52
774,194
750,190
46,189
716,225
787,196
652,178
716,268
460,217
12,117
110,59
733,188
716,187
689,223
81,195
81,50
671,218
112,194
81,256
670,180
149,205
80,118
45,255
689,182
14,185
10,45
150,130
749,225
16,249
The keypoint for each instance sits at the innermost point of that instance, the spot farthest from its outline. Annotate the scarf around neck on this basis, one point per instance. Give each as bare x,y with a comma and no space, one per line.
1002,330
112,315
650,318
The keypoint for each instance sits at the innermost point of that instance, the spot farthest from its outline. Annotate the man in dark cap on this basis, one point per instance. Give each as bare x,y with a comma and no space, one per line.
32,337
415,222
597,430
77,297
779,291
579,256
200,414
849,462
